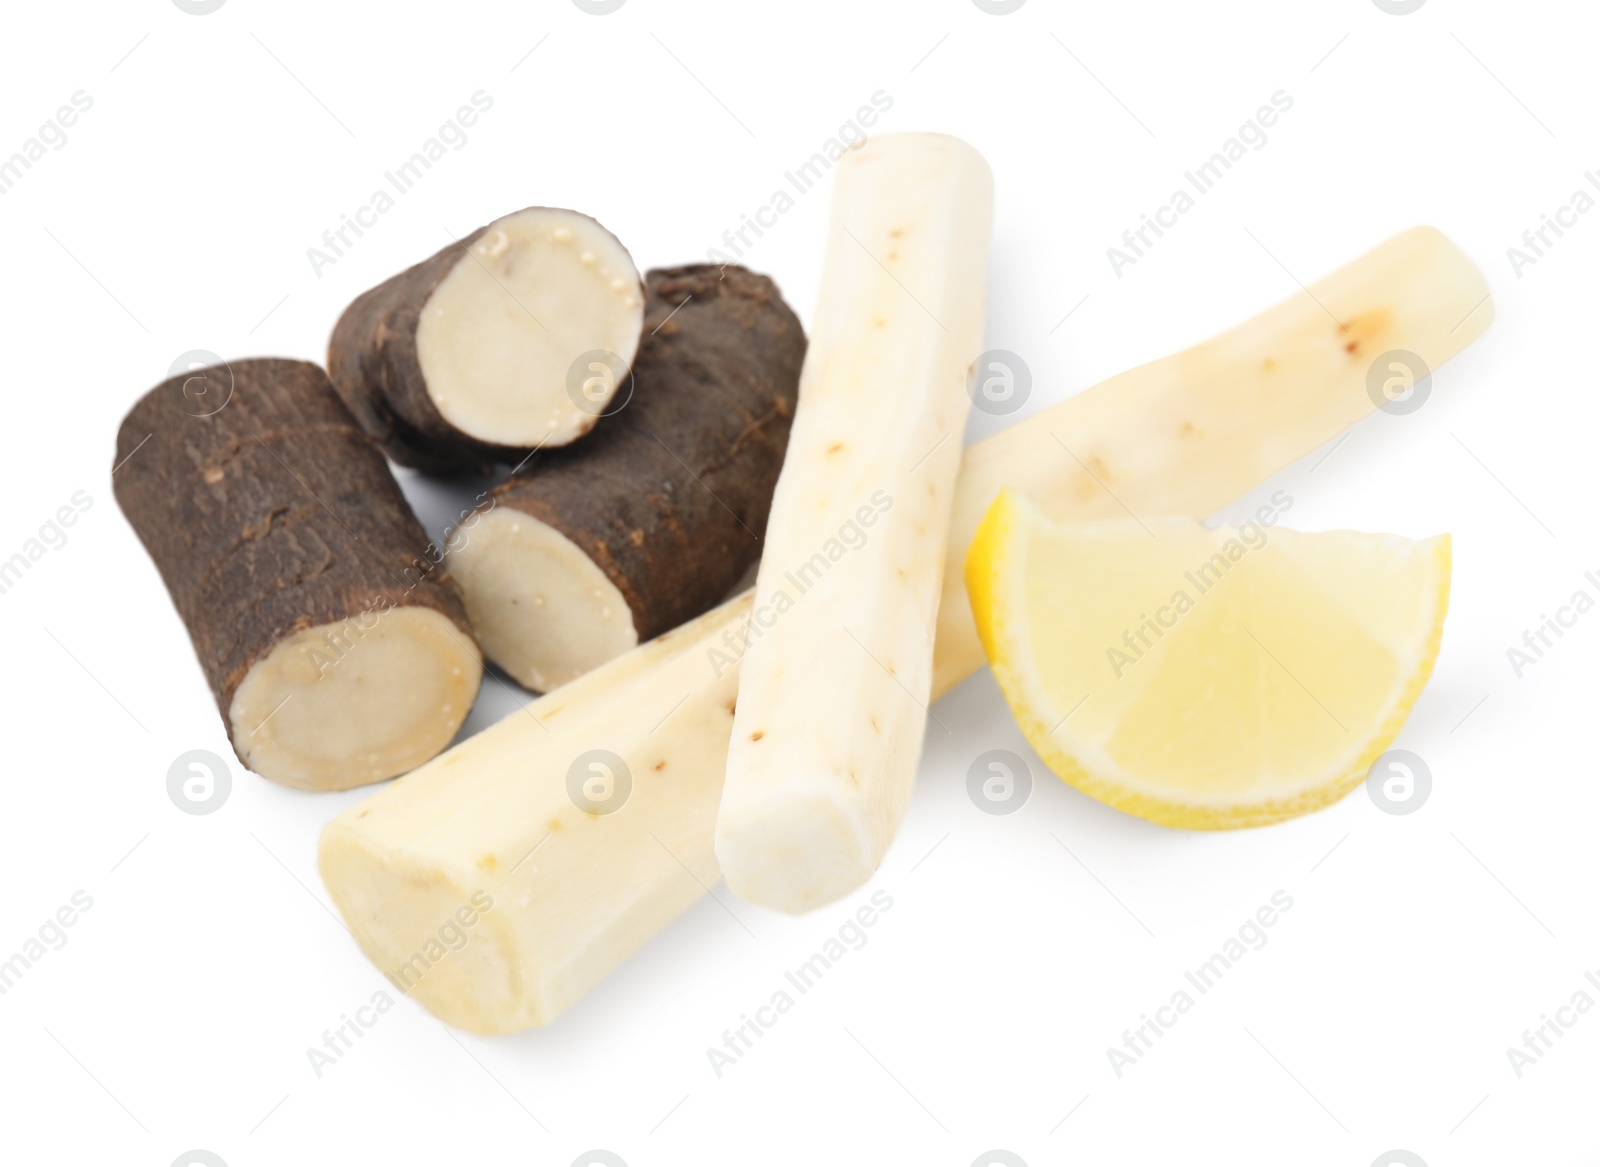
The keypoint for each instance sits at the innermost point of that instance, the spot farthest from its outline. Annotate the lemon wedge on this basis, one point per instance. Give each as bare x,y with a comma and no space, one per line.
1206,678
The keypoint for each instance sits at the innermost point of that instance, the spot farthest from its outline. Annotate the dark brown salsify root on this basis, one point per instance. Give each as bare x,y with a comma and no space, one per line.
335,656
653,518
489,348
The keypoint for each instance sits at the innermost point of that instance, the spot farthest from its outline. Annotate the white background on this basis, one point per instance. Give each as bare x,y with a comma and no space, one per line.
177,216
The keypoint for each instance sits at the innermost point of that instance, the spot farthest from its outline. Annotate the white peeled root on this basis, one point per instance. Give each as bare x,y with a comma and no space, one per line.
498,339
833,690
347,704
400,864
541,608
573,889
1186,434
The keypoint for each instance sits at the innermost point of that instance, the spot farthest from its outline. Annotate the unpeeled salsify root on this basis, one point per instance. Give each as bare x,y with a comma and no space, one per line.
513,338
653,518
292,558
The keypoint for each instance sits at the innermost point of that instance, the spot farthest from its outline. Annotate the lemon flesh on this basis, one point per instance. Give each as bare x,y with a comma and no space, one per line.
1206,678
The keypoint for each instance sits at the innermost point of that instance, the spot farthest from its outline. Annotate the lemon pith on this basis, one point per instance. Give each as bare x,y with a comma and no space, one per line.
1206,678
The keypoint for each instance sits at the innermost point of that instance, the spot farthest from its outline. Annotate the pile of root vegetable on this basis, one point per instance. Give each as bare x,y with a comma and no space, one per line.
667,434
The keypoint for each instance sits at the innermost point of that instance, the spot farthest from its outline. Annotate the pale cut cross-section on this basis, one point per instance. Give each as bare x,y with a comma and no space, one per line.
500,337
357,701
542,609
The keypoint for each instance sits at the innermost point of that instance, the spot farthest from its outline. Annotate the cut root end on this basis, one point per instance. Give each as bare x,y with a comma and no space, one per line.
542,609
529,338
794,854
434,936
357,701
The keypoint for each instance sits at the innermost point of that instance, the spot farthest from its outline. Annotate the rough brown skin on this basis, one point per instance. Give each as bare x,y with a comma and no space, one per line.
714,392
372,360
273,514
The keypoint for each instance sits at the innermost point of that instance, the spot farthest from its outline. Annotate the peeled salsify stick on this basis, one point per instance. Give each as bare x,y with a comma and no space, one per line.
834,685
1188,433
573,892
